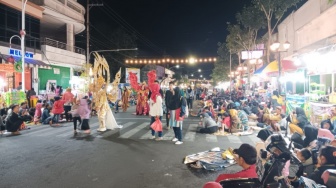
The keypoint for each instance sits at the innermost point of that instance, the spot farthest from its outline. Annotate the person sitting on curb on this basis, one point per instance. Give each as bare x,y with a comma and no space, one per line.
14,121
246,157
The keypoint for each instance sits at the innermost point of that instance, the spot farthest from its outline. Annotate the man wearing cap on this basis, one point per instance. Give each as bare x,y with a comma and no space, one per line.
246,157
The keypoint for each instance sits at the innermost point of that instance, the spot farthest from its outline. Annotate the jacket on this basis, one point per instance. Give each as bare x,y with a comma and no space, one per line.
45,114
58,107
155,109
74,110
68,97
38,111
316,175
14,122
83,109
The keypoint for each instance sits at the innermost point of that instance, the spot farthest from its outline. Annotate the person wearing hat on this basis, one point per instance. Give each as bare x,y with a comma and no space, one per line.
246,157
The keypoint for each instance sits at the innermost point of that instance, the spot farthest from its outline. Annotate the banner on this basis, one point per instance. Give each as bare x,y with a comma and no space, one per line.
133,70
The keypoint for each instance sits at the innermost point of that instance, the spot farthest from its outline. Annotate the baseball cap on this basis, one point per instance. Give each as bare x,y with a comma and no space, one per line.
248,153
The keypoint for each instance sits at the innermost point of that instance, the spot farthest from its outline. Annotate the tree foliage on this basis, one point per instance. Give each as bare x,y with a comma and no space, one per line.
273,11
222,65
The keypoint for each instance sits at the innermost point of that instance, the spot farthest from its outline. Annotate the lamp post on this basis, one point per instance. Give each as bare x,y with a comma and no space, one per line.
23,33
276,48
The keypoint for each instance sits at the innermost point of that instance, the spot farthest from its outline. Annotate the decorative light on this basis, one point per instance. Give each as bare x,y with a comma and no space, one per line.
126,61
177,61
199,70
275,46
286,45
191,60
168,60
159,61
163,61
182,61
145,61
154,61
214,59
136,61
131,61
260,61
239,68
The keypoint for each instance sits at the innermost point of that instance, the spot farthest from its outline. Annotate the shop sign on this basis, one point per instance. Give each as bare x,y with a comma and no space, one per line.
17,53
7,67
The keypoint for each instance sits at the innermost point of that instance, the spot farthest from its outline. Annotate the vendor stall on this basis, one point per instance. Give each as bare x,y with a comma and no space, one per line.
14,97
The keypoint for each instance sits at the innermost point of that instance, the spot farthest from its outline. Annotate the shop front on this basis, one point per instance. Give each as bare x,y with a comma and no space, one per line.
49,79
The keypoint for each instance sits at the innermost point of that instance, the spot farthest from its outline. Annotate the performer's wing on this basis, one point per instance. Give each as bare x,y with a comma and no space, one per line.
151,77
134,81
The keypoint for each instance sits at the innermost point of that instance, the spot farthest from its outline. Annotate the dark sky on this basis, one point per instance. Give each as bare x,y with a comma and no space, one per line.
180,28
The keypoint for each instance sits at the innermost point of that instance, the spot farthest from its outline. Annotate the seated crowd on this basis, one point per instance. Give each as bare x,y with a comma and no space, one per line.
311,149
15,118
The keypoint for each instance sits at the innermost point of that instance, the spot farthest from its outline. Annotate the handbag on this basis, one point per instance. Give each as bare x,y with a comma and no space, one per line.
157,125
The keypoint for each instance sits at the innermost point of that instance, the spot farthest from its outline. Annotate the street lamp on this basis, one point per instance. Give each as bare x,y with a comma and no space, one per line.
201,76
177,66
199,70
192,75
276,48
23,33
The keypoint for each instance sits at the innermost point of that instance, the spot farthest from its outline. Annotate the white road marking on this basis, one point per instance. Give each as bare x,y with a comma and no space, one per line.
211,138
134,131
191,133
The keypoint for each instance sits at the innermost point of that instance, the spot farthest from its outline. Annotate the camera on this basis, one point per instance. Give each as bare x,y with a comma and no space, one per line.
263,153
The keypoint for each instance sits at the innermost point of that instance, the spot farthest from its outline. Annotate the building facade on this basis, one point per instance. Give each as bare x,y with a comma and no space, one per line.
311,30
51,26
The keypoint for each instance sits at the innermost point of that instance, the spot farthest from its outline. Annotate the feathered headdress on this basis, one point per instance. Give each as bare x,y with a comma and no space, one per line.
134,81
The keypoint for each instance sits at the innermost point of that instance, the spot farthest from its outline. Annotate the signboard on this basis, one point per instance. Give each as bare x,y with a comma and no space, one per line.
256,54
7,67
17,53
133,70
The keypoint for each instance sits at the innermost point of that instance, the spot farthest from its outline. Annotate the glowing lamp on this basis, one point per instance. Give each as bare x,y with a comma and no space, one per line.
286,45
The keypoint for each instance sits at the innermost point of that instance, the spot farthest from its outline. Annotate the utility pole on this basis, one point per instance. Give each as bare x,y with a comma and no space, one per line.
88,7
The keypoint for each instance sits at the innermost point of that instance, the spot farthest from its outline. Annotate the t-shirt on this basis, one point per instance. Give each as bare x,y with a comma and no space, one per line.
247,173
243,117
227,121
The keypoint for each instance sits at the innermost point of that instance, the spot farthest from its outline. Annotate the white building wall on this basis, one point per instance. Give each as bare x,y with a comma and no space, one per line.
60,57
310,27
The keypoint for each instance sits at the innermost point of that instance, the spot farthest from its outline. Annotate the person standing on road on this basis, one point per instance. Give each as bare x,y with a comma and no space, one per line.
68,98
177,112
190,97
155,110
116,104
75,115
125,99
168,97
84,112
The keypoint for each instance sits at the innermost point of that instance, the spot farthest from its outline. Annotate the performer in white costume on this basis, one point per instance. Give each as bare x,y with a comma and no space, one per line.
97,87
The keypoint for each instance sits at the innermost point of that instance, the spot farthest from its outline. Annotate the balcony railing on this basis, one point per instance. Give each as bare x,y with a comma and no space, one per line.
71,4
61,45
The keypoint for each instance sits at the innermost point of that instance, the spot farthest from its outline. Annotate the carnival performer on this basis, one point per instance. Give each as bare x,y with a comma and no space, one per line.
104,113
125,99
142,107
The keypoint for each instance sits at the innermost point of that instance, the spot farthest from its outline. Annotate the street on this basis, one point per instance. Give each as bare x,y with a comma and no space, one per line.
51,157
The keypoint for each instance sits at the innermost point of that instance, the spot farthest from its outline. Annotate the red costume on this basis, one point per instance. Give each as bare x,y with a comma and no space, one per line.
142,90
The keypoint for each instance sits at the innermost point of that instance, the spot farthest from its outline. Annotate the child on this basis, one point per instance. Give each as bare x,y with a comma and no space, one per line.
226,122
46,117
38,112
84,112
75,115
57,109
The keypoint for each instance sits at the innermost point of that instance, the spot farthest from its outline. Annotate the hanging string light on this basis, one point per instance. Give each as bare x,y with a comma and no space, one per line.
173,61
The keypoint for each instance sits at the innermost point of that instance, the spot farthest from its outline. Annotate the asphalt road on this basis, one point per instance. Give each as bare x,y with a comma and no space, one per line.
48,157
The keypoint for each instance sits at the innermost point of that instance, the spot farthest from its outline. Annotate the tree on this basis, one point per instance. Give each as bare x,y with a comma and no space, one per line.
274,11
222,65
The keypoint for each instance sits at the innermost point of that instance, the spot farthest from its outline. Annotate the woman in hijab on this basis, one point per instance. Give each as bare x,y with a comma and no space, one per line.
326,124
276,99
298,121
176,115
310,135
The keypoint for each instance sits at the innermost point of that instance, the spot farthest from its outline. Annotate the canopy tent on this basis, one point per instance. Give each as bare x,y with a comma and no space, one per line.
269,68
273,67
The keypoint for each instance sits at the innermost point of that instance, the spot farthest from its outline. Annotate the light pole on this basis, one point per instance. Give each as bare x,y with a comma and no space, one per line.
276,48
23,33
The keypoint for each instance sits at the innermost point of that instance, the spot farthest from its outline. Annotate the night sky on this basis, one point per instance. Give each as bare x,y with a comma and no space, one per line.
178,28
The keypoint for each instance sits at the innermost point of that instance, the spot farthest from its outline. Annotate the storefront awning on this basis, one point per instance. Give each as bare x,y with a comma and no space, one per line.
273,67
269,68
31,62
